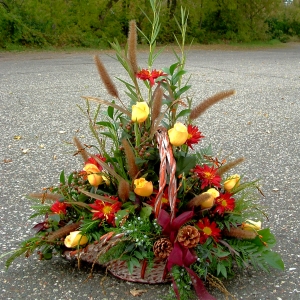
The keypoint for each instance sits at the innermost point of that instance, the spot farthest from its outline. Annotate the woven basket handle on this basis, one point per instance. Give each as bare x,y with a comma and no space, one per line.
167,167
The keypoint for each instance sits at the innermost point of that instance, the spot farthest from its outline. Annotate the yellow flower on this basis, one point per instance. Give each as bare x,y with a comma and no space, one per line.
93,175
231,182
251,225
74,239
210,202
143,187
178,134
140,112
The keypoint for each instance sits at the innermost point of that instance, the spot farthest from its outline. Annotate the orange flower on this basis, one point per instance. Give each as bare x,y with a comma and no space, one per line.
75,239
145,74
178,134
140,112
93,175
231,182
143,187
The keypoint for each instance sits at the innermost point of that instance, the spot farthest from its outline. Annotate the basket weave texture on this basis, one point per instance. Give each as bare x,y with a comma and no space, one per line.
157,273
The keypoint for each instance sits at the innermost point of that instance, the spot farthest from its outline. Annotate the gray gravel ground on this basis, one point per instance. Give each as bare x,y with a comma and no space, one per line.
39,93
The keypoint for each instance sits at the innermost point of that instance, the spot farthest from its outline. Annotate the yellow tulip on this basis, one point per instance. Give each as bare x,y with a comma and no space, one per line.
210,201
140,112
251,225
143,187
231,182
74,239
178,134
93,175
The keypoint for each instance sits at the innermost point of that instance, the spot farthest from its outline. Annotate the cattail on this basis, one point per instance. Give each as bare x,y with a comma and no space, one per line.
198,200
157,103
132,43
107,81
123,190
202,107
81,149
225,168
240,233
132,167
62,232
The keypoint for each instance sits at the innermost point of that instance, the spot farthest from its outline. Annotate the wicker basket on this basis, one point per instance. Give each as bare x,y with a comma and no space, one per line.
143,274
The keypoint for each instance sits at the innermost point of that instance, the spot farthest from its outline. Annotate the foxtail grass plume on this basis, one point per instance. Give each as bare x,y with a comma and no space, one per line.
107,81
198,200
203,106
225,168
123,190
81,149
240,233
132,44
130,157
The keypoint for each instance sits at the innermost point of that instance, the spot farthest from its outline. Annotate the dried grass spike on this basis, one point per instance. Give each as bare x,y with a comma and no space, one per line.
198,200
62,232
225,168
123,190
107,81
81,149
204,105
132,45
240,233
45,196
130,157
157,103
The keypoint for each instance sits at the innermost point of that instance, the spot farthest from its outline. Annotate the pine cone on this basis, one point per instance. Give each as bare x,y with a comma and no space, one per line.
188,236
162,248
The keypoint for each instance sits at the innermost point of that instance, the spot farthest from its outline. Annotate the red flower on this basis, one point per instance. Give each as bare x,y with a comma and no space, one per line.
145,74
105,211
59,207
207,230
208,176
224,203
194,135
93,161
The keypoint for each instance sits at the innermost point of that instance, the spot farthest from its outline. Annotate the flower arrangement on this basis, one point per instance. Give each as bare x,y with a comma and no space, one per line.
144,197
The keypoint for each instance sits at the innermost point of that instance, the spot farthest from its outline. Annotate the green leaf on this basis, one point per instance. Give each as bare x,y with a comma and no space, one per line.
70,178
105,124
62,178
135,262
173,68
54,218
267,237
273,259
181,91
138,255
221,269
108,134
184,164
120,215
183,113
146,212
110,112
177,76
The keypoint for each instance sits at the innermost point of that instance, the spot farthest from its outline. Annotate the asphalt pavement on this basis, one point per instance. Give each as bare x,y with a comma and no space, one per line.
39,97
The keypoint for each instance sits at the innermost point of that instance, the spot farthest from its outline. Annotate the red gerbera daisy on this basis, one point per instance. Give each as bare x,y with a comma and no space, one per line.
93,161
194,135
207,230
105,211
59,207
224,203
145,74
208,176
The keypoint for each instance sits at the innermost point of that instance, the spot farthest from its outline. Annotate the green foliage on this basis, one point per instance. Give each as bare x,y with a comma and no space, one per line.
94,23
